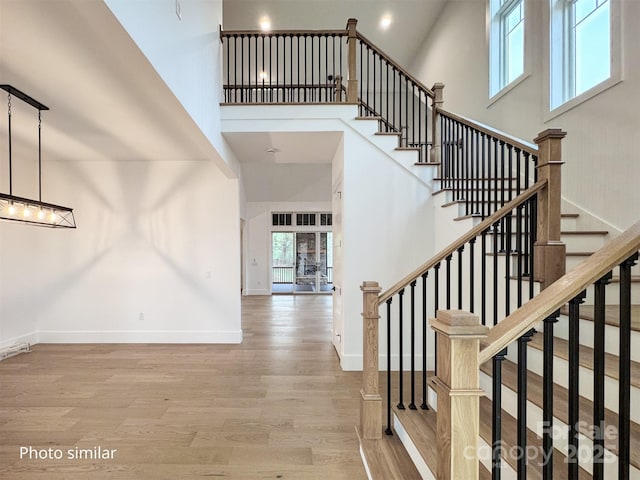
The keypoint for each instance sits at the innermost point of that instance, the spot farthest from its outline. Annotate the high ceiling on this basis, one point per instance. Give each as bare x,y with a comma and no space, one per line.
410,25
106,100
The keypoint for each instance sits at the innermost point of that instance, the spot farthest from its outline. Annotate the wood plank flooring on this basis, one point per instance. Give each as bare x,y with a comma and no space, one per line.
277,406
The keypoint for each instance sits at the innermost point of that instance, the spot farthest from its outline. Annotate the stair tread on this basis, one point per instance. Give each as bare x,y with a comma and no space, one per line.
387,458
534,464
612,364
369,118
560,407
611,315
420,425
395,134
428,164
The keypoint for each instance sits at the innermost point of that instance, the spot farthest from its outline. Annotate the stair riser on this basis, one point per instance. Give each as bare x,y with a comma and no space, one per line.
588,242
534,423
561,375
612,337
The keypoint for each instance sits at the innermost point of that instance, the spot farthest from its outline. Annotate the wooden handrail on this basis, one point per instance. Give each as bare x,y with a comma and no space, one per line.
561,291
278,33
388,59
470,235
525,147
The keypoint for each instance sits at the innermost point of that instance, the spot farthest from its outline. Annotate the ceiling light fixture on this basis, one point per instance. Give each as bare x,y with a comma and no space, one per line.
265,24
385,22
20,209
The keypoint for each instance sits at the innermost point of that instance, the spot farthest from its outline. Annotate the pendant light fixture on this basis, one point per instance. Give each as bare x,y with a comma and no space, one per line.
26,210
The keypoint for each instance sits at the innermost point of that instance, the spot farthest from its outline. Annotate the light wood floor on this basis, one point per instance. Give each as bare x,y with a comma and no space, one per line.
277,406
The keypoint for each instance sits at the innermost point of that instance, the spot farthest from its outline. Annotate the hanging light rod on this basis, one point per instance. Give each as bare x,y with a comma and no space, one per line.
24,97
26,210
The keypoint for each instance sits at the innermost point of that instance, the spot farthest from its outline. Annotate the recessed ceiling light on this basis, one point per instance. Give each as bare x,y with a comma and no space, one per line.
265,24
385,22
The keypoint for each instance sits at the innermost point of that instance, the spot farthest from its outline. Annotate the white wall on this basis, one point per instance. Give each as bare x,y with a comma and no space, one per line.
187,54
601,173
387,231
156,256
148,263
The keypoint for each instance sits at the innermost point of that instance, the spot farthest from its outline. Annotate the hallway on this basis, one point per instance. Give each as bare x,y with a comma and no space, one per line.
276,406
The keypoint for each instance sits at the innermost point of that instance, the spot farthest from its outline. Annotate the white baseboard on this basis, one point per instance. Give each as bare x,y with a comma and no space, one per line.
139,336
30,338
262,291
353,362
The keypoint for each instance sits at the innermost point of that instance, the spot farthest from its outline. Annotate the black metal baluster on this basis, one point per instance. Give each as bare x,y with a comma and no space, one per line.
574,385
519,275
502,187
496,189
436,303
510,172
483,260
472,267
496,421
424,405
624,384
598,376
242,68
485,191
495,272
400,353
521,435
412,403
388,431
460,250
467,173
507,265
448,285
547,397
478,206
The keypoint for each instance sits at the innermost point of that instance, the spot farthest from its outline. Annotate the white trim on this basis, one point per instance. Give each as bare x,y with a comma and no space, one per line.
553,23
496,65
364,462
140,336
261,291
422,467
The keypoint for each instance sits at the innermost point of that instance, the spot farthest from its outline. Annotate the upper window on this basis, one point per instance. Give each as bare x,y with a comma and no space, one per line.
580,47
506,43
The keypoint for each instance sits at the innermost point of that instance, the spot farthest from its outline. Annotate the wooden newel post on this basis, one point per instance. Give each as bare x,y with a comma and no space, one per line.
436,133
549,251
352,78
457,385
370,401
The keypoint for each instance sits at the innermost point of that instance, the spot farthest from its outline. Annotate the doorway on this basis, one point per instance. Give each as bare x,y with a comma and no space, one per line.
302,262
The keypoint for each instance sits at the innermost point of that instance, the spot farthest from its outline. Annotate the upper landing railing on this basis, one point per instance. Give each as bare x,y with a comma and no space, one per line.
343,66
330,66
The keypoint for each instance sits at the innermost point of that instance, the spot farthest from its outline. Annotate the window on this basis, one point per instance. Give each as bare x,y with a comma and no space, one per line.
305,219
581,54
280,219
326,219
507,55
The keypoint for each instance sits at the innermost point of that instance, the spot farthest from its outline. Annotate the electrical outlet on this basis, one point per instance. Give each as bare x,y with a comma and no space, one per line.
178,9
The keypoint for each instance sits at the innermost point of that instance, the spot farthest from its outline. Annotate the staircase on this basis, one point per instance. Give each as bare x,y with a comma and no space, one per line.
417,429
544,365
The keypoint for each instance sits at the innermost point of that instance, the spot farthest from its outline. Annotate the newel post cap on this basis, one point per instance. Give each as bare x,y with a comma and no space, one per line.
369,286
550,134
459,323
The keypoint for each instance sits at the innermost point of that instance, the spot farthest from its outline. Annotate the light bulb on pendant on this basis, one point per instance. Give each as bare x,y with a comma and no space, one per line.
53,217
11,209
41,214
26,213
